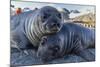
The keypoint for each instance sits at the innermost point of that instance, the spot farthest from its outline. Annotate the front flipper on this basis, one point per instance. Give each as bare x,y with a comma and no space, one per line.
87,55
81,51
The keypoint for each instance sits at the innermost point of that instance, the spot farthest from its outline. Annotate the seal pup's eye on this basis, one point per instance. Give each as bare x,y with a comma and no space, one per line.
59,15
43,41
44,17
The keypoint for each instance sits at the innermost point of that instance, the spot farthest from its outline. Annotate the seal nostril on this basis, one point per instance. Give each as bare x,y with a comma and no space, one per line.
53,24
58,25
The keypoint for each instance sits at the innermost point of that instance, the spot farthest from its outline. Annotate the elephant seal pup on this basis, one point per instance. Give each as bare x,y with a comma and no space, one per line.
28,27
71,38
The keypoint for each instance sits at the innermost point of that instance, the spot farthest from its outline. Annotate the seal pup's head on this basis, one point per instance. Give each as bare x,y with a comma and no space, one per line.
51,19
50,48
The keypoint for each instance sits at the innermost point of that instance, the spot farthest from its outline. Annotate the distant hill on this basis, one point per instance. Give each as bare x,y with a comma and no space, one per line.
86,18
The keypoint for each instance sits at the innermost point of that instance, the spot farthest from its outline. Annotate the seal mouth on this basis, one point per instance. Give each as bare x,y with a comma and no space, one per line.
53,30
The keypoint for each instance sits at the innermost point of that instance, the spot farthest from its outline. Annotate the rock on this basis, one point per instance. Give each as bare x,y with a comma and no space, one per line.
20,58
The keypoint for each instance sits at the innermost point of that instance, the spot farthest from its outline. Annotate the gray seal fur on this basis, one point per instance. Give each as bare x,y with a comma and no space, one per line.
71,38
29,27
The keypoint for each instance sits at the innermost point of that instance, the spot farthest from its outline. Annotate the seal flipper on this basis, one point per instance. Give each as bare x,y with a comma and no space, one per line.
79,50
86,54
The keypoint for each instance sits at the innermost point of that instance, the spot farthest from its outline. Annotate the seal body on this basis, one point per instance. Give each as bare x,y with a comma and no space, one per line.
71,38
28,27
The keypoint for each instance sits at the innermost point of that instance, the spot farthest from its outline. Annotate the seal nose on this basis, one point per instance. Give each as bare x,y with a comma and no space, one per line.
56,25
